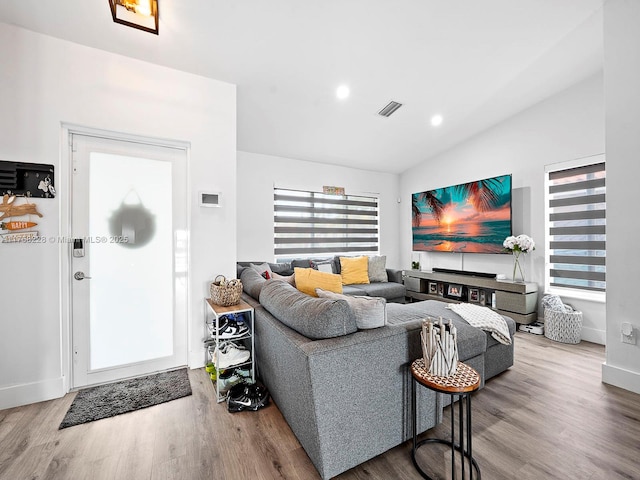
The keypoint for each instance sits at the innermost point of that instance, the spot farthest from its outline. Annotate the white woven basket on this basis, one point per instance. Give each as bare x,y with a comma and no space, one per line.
564,327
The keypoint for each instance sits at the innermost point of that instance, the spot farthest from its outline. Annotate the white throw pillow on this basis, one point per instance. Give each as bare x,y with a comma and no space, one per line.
370,312
263,267
324,267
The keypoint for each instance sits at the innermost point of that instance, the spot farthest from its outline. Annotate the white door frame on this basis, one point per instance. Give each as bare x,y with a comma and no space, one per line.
65,190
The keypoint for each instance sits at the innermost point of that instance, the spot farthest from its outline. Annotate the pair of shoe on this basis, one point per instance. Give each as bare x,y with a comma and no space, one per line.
247,396
229,354
231,377
211,369
230,326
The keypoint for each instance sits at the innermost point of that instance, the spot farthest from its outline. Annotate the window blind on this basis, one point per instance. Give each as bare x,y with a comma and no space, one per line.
577,228
309,223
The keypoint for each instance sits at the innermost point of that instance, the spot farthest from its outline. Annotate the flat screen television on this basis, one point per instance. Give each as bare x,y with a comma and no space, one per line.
473,217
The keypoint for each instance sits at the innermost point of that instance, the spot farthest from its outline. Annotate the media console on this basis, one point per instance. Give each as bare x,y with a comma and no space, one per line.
518,300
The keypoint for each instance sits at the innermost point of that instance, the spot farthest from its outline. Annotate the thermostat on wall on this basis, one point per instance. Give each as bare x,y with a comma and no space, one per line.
210,199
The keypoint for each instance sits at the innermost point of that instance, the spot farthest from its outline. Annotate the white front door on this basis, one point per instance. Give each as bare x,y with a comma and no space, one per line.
128,259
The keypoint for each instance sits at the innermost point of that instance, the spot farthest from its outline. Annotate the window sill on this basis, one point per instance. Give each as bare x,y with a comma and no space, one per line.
596,297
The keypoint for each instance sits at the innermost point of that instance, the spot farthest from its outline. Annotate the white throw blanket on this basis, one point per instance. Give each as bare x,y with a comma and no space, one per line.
485,319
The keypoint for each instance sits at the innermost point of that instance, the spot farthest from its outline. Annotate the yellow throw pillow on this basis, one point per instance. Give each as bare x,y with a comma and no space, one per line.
354,270
308,279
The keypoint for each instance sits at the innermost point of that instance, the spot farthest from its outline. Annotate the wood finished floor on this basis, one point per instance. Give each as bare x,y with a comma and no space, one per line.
547,417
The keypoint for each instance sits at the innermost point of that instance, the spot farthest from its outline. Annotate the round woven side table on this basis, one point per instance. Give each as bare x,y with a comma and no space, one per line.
465,381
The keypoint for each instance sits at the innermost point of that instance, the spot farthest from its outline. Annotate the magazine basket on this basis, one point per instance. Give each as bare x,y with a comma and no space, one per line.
564,327
225,292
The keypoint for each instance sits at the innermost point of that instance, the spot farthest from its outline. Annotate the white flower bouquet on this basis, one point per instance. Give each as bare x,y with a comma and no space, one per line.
519,245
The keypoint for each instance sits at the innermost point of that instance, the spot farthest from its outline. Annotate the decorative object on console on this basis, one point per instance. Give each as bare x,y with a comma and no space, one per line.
474,295
454,290
439,347
519,245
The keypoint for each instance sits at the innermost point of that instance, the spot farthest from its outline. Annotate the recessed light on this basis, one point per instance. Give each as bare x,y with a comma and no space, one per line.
342,92
436,120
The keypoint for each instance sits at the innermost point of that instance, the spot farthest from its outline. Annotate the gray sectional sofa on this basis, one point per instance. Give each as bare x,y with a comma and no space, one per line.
346,397
392,290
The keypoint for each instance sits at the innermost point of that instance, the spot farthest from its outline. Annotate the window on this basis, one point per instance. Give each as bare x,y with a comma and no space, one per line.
309,223
576,228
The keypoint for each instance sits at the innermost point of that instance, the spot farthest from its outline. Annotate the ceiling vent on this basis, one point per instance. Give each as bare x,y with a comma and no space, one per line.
389,108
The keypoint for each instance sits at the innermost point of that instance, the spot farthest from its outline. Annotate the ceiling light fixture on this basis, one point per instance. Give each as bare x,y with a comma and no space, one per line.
436,120
342,92
140,14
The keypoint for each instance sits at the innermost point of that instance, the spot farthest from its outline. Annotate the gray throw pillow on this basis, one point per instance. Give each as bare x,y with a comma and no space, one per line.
315,318
301,263
252,282
378,269
370,312
281,268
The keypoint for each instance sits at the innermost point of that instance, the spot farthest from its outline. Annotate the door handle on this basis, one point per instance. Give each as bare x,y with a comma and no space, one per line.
80,276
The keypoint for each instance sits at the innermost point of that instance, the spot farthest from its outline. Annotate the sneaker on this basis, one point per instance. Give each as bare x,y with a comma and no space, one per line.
243,372
229,354
228,328
247,396
237,317
228,379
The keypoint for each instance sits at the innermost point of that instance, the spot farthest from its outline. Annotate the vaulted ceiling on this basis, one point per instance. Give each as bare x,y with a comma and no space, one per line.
475,62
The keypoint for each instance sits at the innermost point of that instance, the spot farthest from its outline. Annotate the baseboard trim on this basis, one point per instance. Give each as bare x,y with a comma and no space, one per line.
26,393
594,335
196,359
619,377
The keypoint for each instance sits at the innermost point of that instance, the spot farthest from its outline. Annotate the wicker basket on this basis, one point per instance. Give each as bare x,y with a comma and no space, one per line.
564,327
225,292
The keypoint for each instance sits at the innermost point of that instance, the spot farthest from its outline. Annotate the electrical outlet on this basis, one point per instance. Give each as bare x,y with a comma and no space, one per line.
627,333
631,339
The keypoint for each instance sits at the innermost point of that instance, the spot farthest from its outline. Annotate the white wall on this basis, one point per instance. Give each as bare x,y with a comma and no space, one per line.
566,126
45,82
257,176
621,80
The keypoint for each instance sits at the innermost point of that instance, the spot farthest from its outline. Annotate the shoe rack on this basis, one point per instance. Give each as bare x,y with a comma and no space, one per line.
212,340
